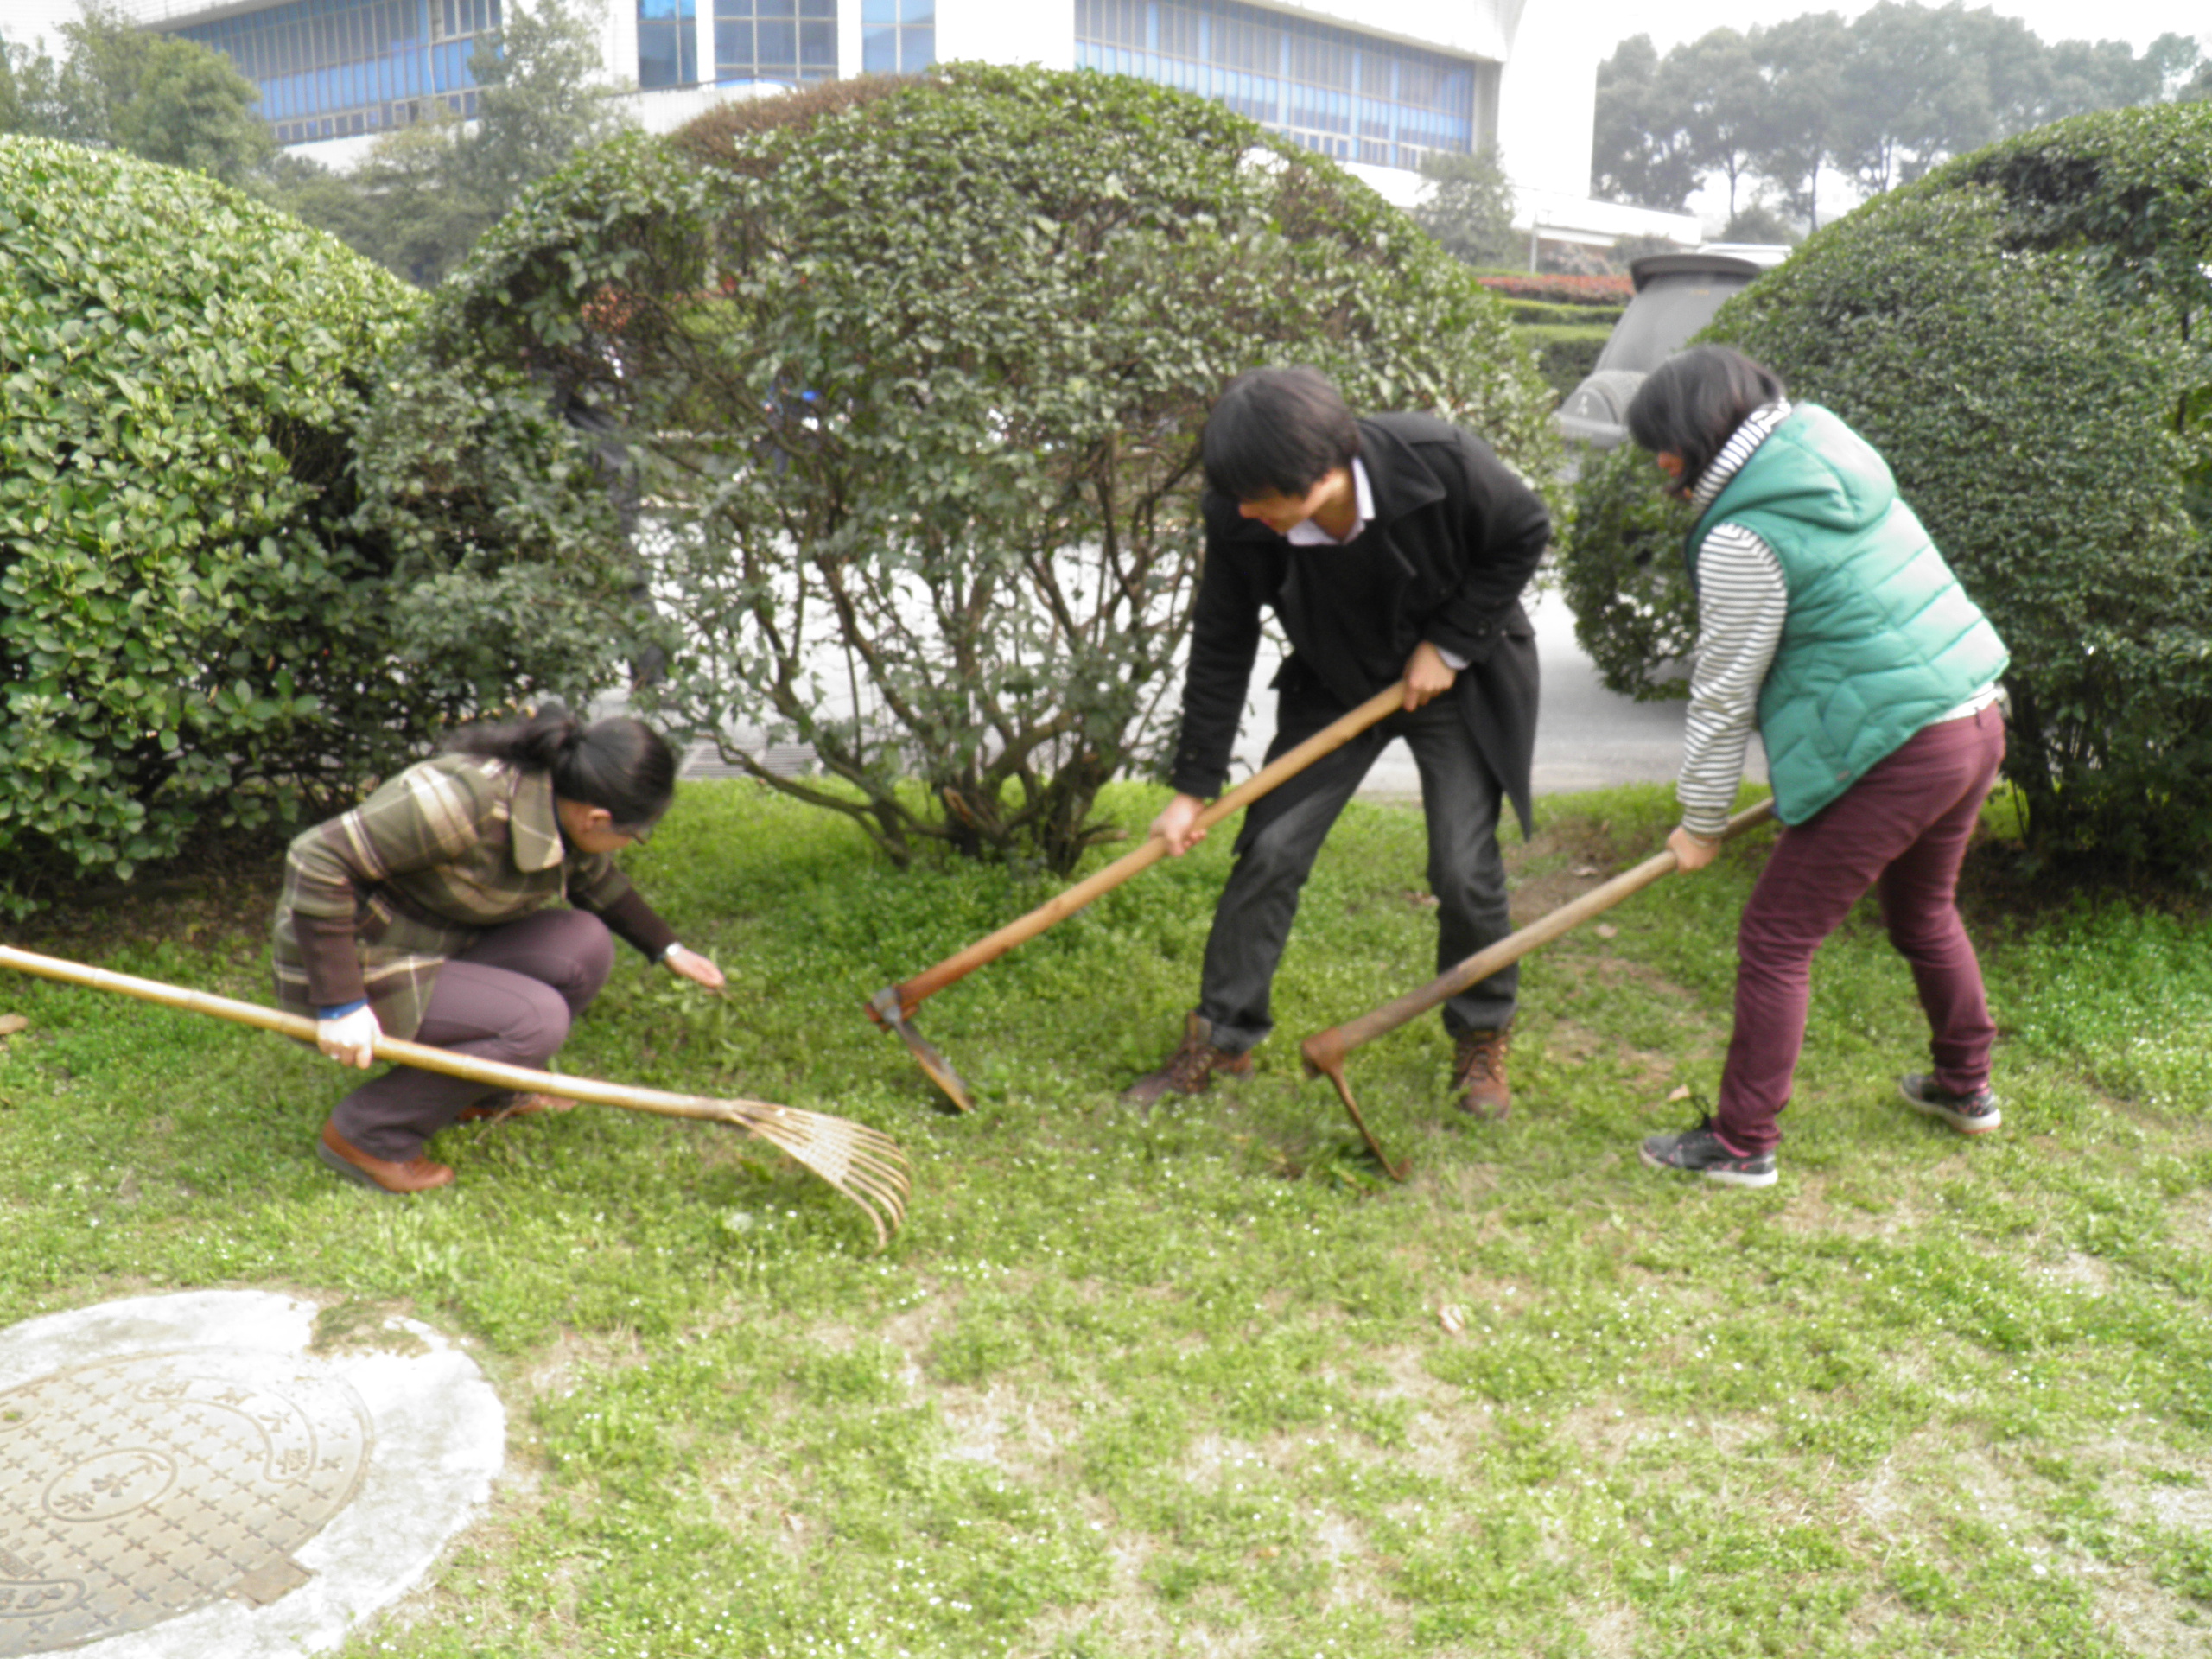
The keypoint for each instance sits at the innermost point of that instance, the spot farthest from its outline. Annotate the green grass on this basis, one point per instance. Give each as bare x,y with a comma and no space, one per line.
1210,1383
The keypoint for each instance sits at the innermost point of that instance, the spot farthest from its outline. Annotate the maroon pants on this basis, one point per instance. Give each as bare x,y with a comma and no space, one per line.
1901,829
510,997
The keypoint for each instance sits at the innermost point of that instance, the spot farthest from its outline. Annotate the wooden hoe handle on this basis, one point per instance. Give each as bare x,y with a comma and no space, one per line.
913,993
1324,1050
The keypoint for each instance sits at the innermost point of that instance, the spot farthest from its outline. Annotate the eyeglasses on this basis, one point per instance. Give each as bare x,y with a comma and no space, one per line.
637,836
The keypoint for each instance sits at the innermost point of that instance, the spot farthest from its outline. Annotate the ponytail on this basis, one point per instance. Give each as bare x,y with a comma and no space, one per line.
622,765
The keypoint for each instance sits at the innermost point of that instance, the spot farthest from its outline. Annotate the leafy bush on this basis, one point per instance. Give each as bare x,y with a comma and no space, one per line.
205,617
912,374
1621,571
2021,333
1565,355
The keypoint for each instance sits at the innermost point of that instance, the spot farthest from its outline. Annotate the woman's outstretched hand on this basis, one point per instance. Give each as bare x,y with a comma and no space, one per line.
694,966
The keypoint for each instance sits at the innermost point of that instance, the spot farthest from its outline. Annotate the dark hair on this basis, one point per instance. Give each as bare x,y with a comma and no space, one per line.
1277,432
1689,404
621,764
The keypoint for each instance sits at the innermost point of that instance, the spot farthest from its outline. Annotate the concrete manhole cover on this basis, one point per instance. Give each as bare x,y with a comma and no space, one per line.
228,1474
142,1488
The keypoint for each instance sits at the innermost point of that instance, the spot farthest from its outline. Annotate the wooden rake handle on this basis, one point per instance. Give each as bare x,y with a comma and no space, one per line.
1324,1050
913,992
419,1055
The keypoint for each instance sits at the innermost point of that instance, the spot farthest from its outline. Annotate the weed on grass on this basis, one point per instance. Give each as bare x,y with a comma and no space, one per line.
1208,1382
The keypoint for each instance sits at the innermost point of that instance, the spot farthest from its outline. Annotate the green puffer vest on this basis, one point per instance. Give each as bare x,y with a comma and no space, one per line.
1879,639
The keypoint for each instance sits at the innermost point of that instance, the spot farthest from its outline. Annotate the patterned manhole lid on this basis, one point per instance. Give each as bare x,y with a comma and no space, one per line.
135,1490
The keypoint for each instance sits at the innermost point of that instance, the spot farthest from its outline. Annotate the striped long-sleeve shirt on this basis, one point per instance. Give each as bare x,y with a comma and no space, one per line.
1742,602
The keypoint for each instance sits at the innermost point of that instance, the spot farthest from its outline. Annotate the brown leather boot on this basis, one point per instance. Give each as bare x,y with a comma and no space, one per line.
1479,1074
1190,1069
417,1174
505,1106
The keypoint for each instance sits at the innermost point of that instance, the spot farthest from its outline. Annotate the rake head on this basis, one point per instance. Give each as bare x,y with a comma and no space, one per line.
863,1164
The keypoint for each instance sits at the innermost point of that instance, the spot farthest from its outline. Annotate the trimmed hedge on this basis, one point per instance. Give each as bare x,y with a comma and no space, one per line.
2021,333
1614,292
1566,355
205,598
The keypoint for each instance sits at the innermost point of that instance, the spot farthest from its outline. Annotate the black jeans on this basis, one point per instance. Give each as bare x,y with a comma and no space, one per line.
1282,834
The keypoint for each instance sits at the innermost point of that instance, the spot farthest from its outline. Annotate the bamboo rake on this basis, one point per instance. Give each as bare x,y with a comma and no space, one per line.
865,1165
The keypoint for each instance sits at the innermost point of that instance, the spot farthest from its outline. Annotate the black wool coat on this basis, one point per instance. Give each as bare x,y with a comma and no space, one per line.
1459,535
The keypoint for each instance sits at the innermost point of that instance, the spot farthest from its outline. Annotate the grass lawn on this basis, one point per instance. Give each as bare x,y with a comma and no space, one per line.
1210,1383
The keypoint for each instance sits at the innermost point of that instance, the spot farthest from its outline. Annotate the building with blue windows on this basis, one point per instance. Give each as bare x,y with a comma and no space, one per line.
1376,84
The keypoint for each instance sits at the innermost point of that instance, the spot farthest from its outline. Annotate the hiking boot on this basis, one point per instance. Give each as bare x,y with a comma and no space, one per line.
1974,1114
1478,1073
417,1174
1702,1152
1190,1069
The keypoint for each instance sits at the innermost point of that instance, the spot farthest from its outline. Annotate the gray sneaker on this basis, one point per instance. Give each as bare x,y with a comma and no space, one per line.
1702,1152
1974,1114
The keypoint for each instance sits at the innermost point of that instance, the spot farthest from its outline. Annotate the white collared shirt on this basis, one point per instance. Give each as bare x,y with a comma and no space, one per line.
1306,533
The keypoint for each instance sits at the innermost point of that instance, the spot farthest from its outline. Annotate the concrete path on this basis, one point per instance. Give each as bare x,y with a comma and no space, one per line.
1587,736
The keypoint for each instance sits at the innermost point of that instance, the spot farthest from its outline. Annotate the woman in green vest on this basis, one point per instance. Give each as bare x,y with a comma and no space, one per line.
1828,620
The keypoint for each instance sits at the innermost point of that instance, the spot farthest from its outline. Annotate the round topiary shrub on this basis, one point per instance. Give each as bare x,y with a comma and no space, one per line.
2022,334
205,616
910,375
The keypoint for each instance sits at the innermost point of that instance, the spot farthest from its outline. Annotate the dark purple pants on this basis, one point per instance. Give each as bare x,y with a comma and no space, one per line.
509,997
1901,829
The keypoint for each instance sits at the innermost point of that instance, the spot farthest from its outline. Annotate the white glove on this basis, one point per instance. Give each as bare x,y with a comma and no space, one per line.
350,1040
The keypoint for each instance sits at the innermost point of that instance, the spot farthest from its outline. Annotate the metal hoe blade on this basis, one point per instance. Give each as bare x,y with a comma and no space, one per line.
884,1007
1321,1063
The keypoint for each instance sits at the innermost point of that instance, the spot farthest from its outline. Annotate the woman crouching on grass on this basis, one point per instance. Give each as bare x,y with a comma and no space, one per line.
466,904
1826,617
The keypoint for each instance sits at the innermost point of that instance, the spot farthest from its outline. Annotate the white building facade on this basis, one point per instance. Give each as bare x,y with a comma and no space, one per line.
1376,84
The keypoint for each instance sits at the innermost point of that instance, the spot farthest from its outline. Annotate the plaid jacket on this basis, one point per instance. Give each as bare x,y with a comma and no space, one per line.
377,898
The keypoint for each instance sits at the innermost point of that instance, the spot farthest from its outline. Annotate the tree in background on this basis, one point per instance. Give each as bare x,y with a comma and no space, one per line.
1802,61
1725,102
1759,223
1878,100
118,88
1467,204
1640,150
543,97
426,192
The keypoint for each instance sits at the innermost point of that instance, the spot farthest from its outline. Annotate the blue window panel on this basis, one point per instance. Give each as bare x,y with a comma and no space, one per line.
916,49
660,56
875,12
1330,89
879,50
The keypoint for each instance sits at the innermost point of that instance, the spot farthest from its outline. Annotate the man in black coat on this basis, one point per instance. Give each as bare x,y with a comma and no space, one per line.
1392,547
